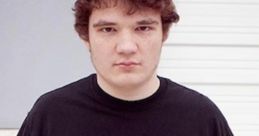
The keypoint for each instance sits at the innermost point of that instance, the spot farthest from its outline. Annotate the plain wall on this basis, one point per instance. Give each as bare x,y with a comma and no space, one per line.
39,51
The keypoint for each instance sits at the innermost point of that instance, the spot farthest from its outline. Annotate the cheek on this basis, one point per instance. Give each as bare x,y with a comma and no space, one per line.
101,53
153,45
152,54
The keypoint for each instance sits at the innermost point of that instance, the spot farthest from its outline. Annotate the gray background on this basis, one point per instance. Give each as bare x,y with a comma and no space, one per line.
39,51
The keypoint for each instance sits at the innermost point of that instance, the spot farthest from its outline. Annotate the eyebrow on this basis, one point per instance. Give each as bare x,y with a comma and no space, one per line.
103,23
142,22
147,22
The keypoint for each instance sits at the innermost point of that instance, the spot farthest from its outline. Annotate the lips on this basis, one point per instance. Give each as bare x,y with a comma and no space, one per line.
127,63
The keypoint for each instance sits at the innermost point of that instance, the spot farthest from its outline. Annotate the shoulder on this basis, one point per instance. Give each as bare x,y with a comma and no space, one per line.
183,93
55,99
198,108
191,100
53,105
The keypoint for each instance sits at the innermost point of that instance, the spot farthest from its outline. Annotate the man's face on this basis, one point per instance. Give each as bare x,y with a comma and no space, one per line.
125,49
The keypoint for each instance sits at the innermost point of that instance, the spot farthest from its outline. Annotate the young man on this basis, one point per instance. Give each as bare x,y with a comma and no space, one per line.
125,97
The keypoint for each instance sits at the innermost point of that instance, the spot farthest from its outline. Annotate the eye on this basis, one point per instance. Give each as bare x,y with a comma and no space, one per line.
144,28
107,29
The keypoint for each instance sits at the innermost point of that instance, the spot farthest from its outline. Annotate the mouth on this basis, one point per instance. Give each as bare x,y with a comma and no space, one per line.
127,64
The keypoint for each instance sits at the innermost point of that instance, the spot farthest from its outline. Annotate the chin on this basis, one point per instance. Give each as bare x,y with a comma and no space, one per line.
130,80
128,84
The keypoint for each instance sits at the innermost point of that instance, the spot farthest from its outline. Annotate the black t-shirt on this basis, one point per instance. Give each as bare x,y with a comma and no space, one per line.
84,109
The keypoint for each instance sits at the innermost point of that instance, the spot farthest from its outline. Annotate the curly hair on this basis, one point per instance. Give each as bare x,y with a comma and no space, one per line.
83,10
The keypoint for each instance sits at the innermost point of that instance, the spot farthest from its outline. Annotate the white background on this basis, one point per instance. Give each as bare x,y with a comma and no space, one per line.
213,49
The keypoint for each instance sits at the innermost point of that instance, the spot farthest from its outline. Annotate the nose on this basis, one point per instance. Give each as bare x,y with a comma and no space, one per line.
126,43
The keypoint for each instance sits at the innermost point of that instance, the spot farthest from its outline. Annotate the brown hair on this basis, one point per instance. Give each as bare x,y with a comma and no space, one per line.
83,10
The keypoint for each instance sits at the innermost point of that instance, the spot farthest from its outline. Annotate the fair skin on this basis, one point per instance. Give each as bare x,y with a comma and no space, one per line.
125,51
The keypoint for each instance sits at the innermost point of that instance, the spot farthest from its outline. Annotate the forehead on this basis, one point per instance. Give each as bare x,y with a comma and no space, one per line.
120,13
128,6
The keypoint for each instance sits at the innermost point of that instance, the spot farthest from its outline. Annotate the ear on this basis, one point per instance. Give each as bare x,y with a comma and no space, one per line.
165,36
87,45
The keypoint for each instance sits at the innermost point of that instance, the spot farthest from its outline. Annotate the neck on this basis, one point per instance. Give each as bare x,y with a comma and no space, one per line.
131,92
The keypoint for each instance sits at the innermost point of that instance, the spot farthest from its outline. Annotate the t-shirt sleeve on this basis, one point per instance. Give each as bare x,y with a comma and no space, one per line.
222,128
25,129
218,122
33,122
